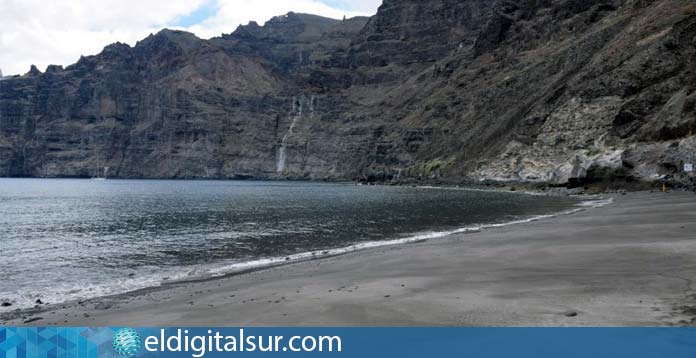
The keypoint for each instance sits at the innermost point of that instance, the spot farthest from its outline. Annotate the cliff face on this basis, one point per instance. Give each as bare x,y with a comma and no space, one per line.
545,90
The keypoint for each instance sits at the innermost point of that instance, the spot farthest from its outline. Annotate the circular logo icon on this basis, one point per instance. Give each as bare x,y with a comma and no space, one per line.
126,342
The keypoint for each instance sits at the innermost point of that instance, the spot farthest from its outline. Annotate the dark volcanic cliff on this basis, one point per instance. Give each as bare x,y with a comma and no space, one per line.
543,90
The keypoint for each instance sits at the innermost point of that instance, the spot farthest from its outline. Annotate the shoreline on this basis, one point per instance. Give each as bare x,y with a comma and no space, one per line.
604,186
147,302
190,274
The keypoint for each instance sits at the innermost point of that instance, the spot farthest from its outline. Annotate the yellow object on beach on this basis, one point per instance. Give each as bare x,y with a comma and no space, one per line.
664,187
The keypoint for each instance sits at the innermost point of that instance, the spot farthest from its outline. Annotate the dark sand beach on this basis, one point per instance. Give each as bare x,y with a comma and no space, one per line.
630,263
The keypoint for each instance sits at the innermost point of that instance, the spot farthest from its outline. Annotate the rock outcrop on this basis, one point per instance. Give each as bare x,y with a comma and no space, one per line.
560,91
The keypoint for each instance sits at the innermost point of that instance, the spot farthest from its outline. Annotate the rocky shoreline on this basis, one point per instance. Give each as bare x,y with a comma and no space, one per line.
591,186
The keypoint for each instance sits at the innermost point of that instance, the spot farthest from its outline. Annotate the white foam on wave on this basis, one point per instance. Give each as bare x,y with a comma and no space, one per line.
596,202
268,262
81,291
261,263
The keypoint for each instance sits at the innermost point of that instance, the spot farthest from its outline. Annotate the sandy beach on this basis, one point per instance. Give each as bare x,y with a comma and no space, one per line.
630,263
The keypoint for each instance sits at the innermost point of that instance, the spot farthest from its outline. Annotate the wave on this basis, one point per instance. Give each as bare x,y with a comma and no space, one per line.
69,293
420,237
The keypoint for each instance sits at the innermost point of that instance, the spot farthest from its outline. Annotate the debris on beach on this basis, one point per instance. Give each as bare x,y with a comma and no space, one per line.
33,319
571,314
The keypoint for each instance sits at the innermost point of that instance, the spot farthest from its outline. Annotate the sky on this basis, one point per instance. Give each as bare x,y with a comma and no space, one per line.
45,32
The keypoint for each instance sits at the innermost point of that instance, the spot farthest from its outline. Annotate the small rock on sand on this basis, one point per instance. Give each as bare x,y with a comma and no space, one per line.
571,314
102,306
33,319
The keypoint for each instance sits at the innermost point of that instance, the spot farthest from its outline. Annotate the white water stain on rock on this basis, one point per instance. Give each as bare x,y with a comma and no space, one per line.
298,110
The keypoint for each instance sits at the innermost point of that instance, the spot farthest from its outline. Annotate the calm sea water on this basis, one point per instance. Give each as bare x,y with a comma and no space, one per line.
71,239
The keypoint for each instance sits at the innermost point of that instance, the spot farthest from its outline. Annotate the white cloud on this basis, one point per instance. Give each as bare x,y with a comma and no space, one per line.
44,32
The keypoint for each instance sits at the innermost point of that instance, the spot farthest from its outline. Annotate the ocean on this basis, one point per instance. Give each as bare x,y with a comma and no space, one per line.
68,239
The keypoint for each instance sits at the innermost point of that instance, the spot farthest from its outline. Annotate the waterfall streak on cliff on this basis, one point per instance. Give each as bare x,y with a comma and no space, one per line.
282,151
297,111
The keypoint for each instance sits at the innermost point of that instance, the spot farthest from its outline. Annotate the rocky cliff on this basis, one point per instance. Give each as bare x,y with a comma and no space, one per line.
559,91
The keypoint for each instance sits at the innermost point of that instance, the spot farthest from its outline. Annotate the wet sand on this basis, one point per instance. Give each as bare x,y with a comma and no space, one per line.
630,263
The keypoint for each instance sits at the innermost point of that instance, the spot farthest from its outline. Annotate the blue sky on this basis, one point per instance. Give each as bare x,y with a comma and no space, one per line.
360,6
207,10
43,32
